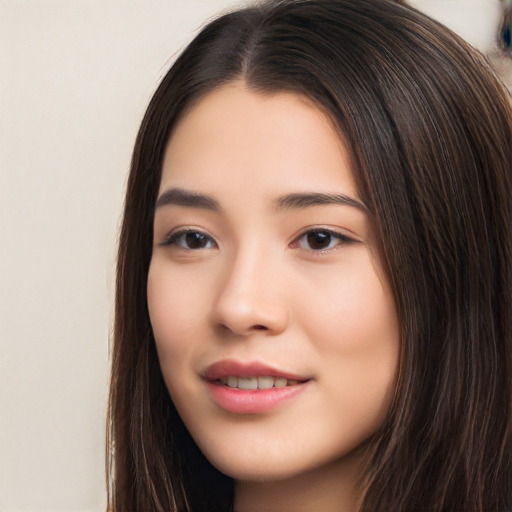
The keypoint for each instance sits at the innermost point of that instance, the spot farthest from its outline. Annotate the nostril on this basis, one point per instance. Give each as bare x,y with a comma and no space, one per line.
260,327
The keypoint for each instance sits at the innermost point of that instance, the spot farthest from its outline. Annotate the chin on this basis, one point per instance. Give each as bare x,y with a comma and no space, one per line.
241,465
254,472
265,465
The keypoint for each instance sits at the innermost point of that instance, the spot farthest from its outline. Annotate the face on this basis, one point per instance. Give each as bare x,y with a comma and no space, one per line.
275,328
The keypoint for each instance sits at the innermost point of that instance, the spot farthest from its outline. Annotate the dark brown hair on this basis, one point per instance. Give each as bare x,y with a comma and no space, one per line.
429,130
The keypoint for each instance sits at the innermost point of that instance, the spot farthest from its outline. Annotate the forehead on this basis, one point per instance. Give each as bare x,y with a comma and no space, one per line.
239,135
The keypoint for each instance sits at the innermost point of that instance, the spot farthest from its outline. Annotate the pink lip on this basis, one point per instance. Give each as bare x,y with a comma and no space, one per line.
229,367
241,401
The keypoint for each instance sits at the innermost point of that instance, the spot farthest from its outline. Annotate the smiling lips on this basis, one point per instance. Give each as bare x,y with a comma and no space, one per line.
251,388
248,383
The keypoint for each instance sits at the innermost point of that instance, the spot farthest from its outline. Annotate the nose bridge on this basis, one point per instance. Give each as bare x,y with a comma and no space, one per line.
250,296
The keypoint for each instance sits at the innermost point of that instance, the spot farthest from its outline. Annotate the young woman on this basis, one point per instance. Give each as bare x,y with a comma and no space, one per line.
314,287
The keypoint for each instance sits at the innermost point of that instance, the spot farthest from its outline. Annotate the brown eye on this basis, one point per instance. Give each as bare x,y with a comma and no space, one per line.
195,240
321,240
318,240
191,240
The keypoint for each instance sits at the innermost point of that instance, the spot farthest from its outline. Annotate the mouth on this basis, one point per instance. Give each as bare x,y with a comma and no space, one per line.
251,388
253,383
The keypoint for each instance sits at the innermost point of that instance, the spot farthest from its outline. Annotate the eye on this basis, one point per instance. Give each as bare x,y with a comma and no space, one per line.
319,240
190,239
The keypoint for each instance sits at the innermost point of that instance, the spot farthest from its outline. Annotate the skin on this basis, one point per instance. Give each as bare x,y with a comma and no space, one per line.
253,287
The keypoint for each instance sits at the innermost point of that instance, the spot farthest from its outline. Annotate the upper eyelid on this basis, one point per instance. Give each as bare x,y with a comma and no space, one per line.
177,232
342,233
342,240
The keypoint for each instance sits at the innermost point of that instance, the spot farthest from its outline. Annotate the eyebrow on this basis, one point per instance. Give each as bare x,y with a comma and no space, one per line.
298,201
182,197
293,201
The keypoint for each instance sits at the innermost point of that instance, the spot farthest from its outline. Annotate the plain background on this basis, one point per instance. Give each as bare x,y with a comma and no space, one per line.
75,78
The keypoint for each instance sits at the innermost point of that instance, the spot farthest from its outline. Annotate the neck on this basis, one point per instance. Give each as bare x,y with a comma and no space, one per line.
331,488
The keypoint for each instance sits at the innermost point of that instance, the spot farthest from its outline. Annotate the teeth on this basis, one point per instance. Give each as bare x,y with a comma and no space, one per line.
280,383
232,382
247,383
264,382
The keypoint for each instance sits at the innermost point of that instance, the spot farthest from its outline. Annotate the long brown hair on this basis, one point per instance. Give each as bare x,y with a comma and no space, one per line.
429,130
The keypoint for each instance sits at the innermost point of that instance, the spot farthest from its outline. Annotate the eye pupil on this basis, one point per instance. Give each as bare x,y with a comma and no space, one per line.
196,240
319,239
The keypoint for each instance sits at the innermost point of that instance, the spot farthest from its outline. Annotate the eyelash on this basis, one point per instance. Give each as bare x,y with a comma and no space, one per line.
340,238
174,239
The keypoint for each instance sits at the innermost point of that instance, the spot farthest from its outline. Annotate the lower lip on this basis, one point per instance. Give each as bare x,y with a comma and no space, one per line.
253,401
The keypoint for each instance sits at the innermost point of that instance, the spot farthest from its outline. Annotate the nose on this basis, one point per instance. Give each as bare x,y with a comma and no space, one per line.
251,295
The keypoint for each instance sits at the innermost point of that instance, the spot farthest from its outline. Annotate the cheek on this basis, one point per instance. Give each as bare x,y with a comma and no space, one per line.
171,315
175,301
353,324
174,307
351,310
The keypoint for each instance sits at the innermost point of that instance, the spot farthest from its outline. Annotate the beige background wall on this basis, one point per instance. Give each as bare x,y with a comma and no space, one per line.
75,77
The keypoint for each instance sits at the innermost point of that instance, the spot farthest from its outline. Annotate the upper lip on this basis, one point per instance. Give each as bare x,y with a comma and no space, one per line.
232,368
